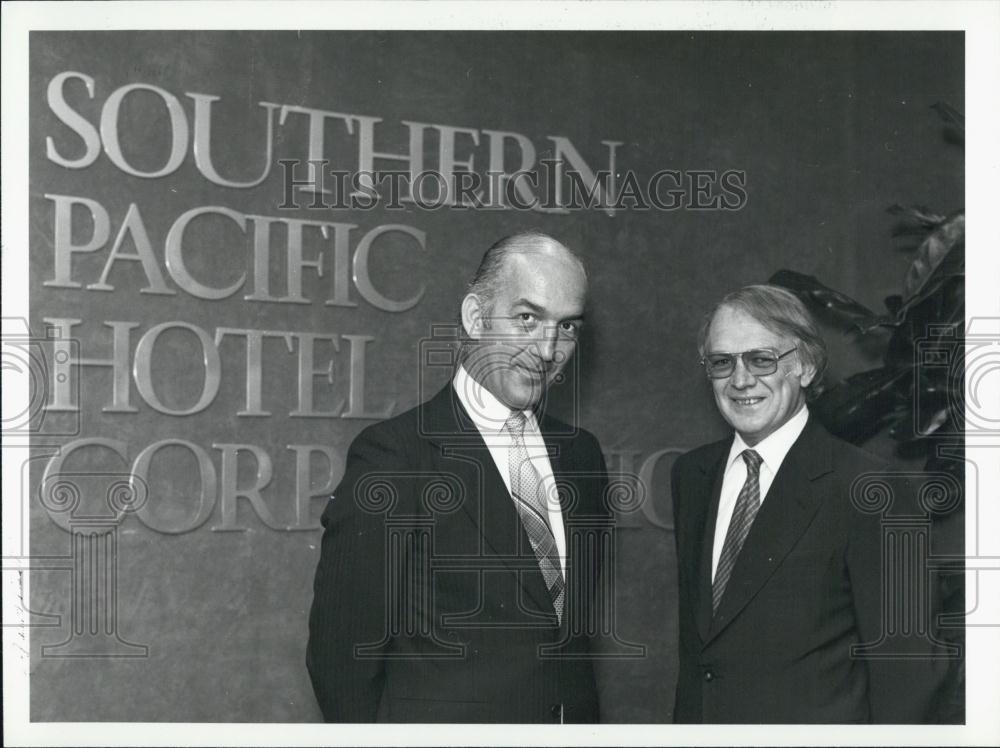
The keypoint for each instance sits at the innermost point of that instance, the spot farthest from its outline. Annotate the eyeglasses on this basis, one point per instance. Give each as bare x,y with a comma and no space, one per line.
759,362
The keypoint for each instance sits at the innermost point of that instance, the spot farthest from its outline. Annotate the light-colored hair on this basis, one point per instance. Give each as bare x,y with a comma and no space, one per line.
781,312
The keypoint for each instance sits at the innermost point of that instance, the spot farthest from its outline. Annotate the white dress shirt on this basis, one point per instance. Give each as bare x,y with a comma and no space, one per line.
772,451
490,415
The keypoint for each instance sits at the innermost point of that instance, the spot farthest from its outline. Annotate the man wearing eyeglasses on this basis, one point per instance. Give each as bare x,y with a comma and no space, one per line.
780,574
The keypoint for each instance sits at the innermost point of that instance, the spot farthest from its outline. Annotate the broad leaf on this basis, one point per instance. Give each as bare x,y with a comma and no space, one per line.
955,132
916,213
840,309
935,319
894,303
932,253
859,407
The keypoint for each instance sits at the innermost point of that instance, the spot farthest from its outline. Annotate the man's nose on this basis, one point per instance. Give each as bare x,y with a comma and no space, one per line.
545,345
741,378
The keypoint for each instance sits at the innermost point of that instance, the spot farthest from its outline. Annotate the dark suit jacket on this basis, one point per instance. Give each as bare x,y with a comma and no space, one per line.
429,605
806,586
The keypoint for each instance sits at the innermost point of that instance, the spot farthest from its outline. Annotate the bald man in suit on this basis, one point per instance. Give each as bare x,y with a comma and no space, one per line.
456,576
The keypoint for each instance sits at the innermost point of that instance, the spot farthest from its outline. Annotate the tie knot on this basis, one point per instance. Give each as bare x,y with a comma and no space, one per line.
515,423
752,459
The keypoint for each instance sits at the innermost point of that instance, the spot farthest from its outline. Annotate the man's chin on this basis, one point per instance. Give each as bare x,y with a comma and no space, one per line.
745,426
523,395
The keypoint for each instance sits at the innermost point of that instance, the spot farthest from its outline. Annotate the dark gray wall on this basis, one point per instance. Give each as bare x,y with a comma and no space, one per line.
829,128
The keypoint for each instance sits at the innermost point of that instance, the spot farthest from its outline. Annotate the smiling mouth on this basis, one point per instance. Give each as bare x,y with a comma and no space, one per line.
747,402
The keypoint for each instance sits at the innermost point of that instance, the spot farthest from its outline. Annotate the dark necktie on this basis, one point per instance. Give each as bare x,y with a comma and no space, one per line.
747,504
525,486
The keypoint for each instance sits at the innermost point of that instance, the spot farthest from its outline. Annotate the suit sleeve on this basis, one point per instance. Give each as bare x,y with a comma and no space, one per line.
675,493
349,592
602,479
904,675
594,481
681,709
678,488
599,487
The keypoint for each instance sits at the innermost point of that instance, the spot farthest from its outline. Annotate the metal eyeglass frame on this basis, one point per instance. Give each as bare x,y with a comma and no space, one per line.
742,355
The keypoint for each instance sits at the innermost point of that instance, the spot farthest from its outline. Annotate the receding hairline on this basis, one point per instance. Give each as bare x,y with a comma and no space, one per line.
532,243
497,262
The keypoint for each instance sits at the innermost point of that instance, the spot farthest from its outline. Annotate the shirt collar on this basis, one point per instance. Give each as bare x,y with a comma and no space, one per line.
483,407
772,449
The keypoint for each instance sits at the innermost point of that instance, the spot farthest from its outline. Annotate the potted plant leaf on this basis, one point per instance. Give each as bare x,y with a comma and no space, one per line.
916,395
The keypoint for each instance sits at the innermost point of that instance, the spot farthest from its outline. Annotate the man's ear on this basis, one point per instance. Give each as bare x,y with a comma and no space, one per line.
473,316
807,375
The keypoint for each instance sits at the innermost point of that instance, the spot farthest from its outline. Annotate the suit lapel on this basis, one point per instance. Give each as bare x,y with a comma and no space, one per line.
558,444
462,451
560,460
789,507
711,488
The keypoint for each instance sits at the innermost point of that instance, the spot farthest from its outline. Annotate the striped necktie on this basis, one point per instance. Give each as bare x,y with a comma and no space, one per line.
525,486
747,504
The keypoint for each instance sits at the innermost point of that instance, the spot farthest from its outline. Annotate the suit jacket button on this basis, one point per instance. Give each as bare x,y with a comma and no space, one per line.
709,676
556,710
